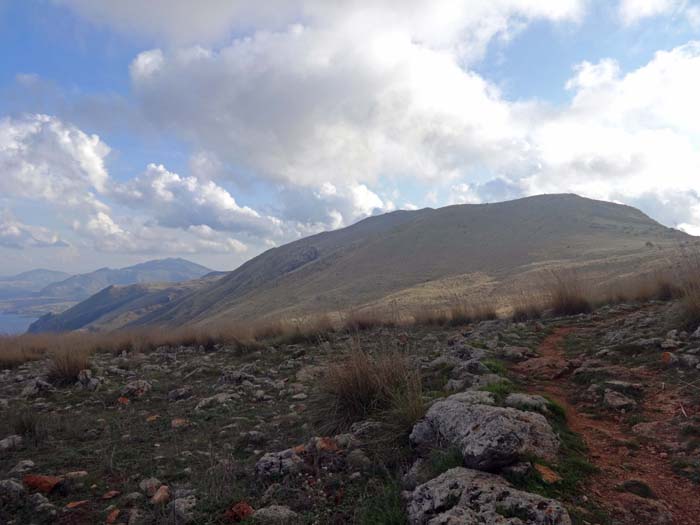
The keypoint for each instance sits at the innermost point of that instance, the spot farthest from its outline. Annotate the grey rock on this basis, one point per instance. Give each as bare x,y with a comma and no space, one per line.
527,401
487,436
138,387
275,515
278,464
696,334
464,496
149,486
22,466
10,443
180,393
11,491
36,387
86,381
618,401
181,510
515,353
217,399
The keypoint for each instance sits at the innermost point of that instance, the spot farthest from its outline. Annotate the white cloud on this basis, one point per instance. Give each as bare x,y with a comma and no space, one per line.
632,11
632,137
180,202
15,234
43,158
438,23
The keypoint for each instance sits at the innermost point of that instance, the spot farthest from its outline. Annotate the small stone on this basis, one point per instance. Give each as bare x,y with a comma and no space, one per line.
618,401
161,496
136,388
10,491
239,512
547,474
10,443
179,422
275,515
23,466
45,484
149,486
182,509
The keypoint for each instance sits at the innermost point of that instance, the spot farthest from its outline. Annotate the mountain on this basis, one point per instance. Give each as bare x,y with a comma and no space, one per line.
406,259
27,283
158,271
409,258
117,306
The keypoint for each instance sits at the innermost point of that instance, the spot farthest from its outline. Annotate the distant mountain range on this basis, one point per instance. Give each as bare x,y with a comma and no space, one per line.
159,271
27,283
407,259
41,291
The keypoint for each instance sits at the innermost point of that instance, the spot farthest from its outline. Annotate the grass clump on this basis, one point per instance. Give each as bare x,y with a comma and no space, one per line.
442,460
31,426
361,386
66,363
500,390
567,294
495,365
384,506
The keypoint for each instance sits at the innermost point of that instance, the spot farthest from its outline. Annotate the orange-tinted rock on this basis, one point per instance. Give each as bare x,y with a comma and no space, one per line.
239,512
111,494
547,474
45,484
76,504
161,496
123,400
179,422
326,444
153,418
113,516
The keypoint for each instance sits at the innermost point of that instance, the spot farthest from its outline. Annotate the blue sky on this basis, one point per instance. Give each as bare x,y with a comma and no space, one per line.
131,131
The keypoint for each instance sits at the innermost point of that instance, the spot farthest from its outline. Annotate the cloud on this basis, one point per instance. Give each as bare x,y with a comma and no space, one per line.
44,159
632,11
438,23
180,202
15,234
633,137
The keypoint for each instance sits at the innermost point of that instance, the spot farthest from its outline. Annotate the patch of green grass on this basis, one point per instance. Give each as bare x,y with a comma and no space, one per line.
500,390
495,365
384,507
442,460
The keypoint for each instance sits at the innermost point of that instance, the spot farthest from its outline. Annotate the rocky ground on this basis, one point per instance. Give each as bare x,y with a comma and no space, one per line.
587,419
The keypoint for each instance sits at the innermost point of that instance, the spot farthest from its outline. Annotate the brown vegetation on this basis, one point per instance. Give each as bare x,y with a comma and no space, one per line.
362,386
66,362
567,294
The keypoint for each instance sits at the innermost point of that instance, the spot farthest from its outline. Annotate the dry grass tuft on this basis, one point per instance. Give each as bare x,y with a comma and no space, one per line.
386,387
67,360
691,290
527,309
567,294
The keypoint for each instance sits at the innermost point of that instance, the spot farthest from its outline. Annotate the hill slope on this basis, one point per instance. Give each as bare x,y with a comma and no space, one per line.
424,256
158,271
117,306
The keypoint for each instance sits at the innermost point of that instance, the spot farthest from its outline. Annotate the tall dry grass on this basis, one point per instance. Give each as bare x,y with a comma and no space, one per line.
362,386
690,287
567,295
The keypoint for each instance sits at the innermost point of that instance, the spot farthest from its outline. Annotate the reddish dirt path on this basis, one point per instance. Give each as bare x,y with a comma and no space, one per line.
678,500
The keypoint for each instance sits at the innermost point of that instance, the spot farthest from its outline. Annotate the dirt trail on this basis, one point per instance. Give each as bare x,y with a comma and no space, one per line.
608,441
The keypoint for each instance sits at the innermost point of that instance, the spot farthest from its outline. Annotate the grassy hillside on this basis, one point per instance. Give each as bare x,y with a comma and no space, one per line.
428,256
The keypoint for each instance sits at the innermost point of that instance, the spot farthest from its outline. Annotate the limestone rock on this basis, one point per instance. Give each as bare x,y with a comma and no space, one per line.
461,496
487,436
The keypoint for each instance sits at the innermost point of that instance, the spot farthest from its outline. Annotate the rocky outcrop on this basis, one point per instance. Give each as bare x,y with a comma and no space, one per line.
488,436
461,496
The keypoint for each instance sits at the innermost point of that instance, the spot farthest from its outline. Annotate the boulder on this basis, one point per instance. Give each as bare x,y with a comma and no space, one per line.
488,436
527,402
462,495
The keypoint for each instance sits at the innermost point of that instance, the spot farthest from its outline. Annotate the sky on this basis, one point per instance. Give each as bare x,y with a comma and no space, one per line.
217,129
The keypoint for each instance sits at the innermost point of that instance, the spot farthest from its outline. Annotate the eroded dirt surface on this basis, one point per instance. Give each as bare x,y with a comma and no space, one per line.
629,458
